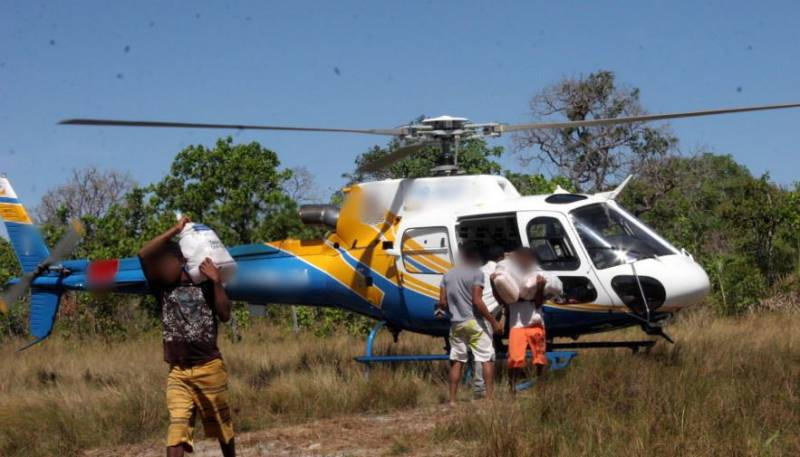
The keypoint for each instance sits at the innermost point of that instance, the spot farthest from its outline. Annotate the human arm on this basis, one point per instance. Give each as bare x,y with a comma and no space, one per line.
153,246
222,304
480,306
441,305
538,298
494,291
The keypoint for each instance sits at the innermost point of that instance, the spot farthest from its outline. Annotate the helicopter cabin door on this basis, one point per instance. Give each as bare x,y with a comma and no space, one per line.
558,250
426,255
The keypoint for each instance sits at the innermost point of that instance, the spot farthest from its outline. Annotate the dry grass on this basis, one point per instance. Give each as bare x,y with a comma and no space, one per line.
728,387
64,396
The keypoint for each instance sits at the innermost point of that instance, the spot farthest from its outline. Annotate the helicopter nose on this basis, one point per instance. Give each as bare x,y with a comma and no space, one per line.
687,283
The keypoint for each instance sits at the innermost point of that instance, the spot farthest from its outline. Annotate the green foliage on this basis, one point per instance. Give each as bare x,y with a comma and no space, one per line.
475,157
327,321
9,267
538,184
236,189
15,322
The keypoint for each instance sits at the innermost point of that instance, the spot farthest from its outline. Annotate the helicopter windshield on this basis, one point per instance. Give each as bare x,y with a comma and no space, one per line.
613,237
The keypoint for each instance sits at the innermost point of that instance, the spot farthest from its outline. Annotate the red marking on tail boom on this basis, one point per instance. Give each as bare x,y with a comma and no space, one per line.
101,272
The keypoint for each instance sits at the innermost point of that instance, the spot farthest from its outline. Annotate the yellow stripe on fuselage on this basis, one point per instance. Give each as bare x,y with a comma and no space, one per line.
14,212
331,262
420,286
432,261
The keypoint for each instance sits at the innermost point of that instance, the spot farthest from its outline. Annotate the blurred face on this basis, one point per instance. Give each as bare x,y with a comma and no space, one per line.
524,259
470,258
169,268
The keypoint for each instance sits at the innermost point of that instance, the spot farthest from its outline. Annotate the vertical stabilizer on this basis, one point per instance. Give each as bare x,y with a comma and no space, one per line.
25,237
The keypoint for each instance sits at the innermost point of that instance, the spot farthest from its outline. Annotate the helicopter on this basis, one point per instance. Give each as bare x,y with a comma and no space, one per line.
391,241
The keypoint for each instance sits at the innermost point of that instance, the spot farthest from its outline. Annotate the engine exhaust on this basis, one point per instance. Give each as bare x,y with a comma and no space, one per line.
326,215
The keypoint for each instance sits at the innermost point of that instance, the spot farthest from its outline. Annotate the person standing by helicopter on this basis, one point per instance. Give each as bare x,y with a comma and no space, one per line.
461,294
492,255
526,321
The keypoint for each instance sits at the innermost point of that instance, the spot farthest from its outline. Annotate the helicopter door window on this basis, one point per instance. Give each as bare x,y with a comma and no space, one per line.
547,237
426,251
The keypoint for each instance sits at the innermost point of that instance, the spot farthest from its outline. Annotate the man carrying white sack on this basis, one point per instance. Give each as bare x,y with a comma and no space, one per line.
197,384
526,314
494,254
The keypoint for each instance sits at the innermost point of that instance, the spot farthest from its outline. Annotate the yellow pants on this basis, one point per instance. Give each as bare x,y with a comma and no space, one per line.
200,389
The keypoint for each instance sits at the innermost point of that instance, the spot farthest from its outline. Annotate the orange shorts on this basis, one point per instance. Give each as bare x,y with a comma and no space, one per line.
520,339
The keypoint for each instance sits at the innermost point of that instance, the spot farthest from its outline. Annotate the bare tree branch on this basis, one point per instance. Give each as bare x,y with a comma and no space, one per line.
89,192
593,158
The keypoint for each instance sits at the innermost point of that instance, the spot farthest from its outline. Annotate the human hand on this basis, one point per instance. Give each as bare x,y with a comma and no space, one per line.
541,281
498,328
210,270
182,223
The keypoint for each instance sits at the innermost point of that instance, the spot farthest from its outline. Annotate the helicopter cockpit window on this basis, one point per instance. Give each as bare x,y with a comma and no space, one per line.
613,237
426,250
546,236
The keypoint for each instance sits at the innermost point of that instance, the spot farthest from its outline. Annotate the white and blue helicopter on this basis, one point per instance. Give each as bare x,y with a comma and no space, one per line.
391,241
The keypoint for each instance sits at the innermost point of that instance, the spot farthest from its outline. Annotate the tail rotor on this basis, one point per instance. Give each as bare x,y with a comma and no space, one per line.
62,250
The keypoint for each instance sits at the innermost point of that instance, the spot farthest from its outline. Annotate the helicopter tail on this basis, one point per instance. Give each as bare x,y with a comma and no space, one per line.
31,252
25,237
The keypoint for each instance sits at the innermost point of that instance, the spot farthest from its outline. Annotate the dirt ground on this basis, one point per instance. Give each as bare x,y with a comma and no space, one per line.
407,433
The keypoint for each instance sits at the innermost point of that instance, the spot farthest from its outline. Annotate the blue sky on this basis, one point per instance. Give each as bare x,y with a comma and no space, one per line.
372,64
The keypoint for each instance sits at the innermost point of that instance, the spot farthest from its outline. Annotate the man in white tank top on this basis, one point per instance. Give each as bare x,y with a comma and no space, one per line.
493,255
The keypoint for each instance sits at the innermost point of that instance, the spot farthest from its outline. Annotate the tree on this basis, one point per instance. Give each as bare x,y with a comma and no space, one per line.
89,192
475,157
300,186
793,225
592,158
764,211
237,189
13,323
538,184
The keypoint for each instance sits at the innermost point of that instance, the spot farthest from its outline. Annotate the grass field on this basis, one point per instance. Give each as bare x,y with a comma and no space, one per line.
729,386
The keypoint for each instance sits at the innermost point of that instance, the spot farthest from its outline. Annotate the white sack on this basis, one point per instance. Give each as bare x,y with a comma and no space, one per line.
507,281
506,286
552,287
199,242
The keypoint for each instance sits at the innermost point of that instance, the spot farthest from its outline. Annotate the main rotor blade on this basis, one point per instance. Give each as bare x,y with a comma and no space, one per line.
394,156
123,123
642,118
66,244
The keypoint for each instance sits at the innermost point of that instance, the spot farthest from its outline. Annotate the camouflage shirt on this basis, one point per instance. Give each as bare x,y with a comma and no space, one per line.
190,325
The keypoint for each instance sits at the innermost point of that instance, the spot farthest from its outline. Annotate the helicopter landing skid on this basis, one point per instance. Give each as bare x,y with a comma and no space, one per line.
557,360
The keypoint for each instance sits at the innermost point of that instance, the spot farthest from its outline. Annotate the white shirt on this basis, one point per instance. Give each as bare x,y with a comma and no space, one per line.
525,314
488,293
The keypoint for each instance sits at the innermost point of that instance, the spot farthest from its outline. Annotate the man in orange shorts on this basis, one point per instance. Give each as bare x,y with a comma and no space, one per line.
526,322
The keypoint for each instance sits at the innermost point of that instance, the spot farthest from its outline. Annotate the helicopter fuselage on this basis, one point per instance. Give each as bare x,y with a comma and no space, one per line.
393,240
